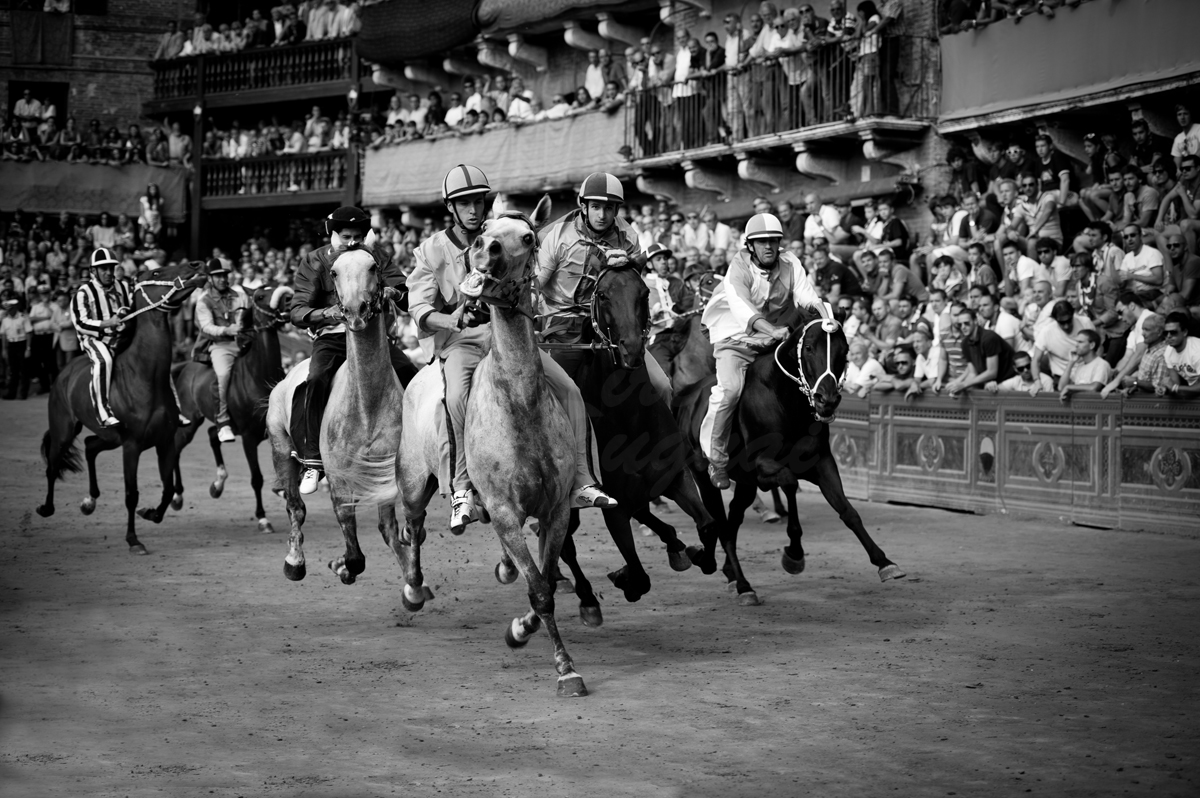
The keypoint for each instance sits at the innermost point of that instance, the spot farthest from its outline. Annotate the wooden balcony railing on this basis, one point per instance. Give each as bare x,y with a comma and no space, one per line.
260,68
285,174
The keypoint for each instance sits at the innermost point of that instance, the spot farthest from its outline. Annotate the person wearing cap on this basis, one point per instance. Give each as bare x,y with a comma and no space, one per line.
219,319
315,308
41,361
98,311
669,299
743,318
462,332
15,331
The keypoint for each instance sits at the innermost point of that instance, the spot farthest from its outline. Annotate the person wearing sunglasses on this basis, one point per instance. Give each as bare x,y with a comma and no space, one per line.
1180,205
1044,224
903,378
1141,270
1181,357
988,357
1148,368
1086,371
1177,259
1025,380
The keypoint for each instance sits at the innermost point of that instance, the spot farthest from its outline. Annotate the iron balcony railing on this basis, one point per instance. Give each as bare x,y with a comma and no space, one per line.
893,77
259,68
284,174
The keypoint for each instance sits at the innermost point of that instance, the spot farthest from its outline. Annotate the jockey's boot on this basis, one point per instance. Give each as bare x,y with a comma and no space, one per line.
591,496
184,421
463,511
225,434
718,476
308,482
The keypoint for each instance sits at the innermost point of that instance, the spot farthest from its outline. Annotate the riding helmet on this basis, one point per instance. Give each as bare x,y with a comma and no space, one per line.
763,225
103,257
347,216
216,266
655,250
464,181
601,187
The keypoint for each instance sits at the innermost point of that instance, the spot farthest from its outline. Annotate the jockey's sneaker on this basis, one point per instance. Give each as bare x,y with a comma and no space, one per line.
184,421
591,496
225,434
718,477
112,421
463,511
308,482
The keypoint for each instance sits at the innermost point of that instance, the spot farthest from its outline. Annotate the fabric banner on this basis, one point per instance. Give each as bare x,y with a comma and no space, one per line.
52,187
1098,47
41,38
528,159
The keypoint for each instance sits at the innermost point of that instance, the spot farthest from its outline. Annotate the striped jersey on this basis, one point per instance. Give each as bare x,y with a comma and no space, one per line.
93,305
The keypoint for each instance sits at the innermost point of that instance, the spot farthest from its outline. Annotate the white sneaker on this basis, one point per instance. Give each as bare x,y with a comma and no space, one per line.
308,482
184,421
463,511
591,496
225,434
112,421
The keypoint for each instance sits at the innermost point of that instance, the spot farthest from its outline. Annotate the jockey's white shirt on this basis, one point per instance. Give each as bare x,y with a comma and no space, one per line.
740,298
441,265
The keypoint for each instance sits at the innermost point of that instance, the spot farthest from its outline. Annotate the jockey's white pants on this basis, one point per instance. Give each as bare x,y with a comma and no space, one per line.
732,362
458,368
223,354
100,355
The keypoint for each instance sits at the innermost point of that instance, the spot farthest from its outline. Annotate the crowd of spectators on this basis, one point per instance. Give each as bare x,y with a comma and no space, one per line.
960,15
307,21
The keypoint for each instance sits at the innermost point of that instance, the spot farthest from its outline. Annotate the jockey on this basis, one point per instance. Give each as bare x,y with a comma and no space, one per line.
668,299
98,311
462,335
219,318
315,308
585,242
761,286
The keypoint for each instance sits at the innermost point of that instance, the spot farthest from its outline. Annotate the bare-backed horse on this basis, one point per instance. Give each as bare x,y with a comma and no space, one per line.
781,436
360,431
141,398
255,372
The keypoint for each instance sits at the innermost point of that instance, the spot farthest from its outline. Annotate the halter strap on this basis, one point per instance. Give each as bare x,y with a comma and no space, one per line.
829,326
177,285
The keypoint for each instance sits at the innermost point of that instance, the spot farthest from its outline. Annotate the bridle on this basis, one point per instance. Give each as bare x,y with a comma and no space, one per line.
275,316
591,311
828,326
164,303
374,301
507,293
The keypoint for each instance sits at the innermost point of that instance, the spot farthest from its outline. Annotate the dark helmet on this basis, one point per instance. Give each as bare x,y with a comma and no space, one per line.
347,216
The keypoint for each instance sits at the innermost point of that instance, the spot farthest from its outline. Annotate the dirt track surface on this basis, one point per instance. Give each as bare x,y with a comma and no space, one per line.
1017,657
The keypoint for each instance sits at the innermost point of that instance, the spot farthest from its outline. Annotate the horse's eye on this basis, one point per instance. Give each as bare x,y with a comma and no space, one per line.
333,274
373,269
528,239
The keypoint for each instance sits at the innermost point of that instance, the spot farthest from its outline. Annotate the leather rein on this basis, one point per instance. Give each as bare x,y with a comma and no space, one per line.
829,327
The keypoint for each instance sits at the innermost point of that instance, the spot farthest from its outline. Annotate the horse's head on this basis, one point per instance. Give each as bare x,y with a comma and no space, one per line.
821,354
359,287
166,288
271,304
501,258
621,314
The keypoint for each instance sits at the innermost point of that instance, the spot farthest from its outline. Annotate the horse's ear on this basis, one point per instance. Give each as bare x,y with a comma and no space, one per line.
499,205
541,214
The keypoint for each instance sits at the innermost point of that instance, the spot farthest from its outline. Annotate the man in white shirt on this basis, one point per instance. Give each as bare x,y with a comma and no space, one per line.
822,219
321,21
993,317
1181,357
1058,340
1024,379
1188,140
695,234
1087,371
1141,270
593,77
737,100
720,236
1021,272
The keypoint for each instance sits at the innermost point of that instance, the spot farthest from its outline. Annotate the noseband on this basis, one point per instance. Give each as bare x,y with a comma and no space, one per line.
374,302
507,293
163,304
828,326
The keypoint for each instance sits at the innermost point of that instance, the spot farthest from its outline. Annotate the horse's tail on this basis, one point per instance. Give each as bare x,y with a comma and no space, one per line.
66,461
368,480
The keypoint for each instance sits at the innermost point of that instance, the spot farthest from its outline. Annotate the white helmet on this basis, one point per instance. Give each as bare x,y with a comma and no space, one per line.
763,225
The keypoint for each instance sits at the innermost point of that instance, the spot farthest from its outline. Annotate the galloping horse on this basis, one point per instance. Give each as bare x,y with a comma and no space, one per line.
254,373
695,361
141,398
360,431
642,454
518,439
781,436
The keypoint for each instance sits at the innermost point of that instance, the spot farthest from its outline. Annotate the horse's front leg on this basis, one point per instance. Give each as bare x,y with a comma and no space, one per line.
352,562
130,455
631,578
250,447
744,492
407,548
677,553
92,446
218,485
287,482
830,483
793,553
589,605
167,460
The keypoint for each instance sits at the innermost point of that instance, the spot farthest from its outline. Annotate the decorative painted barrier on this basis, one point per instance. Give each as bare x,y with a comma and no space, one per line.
1130,464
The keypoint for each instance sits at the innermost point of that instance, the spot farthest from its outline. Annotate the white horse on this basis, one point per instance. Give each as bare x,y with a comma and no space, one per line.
360,431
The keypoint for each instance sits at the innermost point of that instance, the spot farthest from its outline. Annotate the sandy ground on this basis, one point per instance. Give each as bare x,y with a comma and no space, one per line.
1018,657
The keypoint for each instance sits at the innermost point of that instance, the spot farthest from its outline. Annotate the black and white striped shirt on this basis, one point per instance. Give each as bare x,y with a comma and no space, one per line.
93,305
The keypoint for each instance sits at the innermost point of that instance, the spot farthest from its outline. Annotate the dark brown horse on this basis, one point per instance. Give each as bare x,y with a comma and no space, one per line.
781,436
641,452
254,373
141,398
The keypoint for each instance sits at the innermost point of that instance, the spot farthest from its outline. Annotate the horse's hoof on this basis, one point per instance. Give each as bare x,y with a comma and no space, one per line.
45,510
426,593
264,526
511,639
564,585
149,514
571,686
748,599
342,572
216,489
138,548
634,586
87,506
591,616
484,518
177,502
413,598
706,564
891,572
294,572
411,606
679,560
793,566
505,575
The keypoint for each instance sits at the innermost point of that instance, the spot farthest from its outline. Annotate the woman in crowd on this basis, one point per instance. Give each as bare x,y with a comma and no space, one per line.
150,219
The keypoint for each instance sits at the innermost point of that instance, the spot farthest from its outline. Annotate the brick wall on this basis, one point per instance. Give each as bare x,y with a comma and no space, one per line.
109,75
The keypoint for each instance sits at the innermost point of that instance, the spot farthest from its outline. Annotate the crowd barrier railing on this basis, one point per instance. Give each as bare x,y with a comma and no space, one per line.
286,174
259,68
826,84
1119,463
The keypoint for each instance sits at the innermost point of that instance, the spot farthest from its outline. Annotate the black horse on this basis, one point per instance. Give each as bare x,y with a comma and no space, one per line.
254,373
781,436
